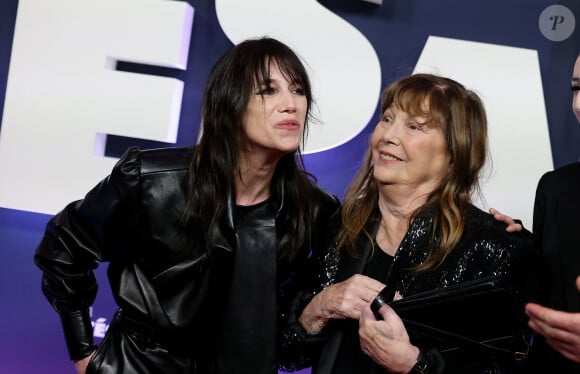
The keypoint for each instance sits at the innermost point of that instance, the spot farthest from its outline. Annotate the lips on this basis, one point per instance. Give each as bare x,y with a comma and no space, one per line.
388,157
288,125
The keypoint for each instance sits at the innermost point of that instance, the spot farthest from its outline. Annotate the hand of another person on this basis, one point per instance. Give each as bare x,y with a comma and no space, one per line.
561,329
81,365
342,300
512,226
386,342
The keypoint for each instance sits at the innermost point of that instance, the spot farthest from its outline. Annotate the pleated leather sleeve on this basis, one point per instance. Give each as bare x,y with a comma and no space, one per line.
84,233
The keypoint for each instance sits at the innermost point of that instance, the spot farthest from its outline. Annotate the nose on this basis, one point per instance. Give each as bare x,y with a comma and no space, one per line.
576,104
287,102
391,133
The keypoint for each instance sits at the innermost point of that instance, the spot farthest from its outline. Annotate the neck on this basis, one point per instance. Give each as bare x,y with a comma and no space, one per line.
253,180
396,211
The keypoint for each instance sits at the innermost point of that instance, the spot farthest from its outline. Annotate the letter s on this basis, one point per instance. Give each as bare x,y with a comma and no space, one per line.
342,64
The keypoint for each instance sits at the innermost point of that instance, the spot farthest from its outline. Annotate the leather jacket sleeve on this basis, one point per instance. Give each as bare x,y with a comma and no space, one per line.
76,239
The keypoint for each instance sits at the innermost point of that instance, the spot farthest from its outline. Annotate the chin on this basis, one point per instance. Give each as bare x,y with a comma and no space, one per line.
289,147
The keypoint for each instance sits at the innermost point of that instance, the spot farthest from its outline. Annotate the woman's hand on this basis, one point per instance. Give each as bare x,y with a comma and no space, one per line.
346,299
561,329
386,342
512,226
81,365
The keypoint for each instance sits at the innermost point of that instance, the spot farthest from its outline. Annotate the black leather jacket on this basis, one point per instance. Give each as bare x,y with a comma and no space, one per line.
166,298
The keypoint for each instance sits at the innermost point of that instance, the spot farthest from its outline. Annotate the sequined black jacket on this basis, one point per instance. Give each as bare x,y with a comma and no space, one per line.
166,296
485,249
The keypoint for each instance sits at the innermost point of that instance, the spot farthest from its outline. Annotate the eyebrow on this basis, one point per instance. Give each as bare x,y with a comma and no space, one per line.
576,80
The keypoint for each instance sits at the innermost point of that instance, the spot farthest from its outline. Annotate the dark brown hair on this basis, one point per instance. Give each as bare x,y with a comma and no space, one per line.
231,82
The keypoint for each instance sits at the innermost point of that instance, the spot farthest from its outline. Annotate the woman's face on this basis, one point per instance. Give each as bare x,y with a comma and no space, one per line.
275,116
408,153
576,84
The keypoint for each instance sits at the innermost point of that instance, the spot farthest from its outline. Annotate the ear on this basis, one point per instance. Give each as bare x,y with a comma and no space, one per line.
450,164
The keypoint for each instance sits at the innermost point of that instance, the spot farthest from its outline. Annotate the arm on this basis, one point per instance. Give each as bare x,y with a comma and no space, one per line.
561,329
303,337
75,240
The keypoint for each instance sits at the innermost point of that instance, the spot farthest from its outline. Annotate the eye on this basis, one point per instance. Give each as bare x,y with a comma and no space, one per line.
575,88
414,126
386,118
266,90
298,91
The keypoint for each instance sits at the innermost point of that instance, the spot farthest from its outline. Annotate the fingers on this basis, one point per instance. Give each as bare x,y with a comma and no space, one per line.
368,285
360,291
371,332
386,342
348,298
501,217
512,226
554,318
392,318
536,311
570,351
561,329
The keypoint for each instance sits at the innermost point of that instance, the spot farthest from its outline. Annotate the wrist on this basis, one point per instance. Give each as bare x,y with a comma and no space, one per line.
314,316
311,323
421,363
429,362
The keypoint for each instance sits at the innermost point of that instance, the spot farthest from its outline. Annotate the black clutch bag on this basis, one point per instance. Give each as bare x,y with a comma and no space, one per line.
477,316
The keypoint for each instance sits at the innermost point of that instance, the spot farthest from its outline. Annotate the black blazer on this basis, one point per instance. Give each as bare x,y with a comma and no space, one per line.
167,297
556,232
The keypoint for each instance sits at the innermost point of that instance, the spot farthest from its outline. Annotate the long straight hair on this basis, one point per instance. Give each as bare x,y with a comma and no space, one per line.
215,159
460,114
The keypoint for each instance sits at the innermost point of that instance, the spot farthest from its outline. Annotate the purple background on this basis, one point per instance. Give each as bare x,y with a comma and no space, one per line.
31,340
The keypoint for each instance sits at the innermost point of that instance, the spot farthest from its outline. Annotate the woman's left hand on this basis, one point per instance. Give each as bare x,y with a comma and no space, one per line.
386,342
512,226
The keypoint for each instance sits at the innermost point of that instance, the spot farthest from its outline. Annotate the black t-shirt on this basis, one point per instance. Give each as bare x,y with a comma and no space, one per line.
248,331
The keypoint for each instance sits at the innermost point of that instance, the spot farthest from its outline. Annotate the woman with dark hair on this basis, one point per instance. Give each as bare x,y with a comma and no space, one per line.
208,247
408,223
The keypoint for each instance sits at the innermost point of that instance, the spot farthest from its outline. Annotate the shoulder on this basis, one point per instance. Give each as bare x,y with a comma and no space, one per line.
325,197
562,178
491,247
327,203
141,169
482,226
165,159
136,163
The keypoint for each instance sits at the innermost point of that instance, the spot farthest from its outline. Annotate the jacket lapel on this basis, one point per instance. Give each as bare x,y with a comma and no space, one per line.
223,235
348,266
